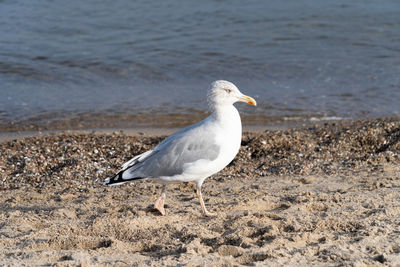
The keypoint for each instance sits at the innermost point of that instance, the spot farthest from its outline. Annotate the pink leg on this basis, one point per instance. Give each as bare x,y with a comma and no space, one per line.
159,205
206,213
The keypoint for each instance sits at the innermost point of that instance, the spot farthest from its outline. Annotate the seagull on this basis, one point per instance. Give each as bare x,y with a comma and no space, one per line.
194,153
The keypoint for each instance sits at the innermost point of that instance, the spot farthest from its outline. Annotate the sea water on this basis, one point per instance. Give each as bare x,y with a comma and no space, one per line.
300,59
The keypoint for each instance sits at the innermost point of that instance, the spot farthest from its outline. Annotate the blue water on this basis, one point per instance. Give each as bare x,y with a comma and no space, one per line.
300,59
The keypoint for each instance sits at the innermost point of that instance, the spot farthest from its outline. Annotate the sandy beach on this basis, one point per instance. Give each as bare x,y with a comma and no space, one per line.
321,195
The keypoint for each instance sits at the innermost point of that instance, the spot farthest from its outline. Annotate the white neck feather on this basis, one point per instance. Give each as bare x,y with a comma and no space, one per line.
227,116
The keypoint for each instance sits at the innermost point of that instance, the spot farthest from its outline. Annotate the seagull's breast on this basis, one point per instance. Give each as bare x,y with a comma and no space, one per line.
228,136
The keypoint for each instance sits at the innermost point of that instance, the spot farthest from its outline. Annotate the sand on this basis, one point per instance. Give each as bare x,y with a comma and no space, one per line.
325,195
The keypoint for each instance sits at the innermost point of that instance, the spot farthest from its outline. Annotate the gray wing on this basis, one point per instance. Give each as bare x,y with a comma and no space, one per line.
186,146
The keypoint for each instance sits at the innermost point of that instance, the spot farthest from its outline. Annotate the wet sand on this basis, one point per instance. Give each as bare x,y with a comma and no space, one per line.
320,195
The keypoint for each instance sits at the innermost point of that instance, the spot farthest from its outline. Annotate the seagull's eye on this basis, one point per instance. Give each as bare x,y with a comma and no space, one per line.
228,91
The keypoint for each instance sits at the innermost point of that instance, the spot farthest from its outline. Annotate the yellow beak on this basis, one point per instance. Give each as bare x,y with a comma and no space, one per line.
247,99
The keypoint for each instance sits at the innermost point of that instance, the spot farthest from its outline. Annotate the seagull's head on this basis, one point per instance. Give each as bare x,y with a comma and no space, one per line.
226,93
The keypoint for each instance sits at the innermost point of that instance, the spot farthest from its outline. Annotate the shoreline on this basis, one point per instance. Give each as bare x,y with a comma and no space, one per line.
155,120
18,132
138,131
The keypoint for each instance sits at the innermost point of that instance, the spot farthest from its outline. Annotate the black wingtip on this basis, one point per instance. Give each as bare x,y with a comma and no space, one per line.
117,179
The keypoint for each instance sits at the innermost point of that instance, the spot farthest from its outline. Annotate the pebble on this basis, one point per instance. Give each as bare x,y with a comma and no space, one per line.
336,148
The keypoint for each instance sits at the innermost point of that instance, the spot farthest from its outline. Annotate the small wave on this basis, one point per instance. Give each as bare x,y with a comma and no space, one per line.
331,118
313,119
